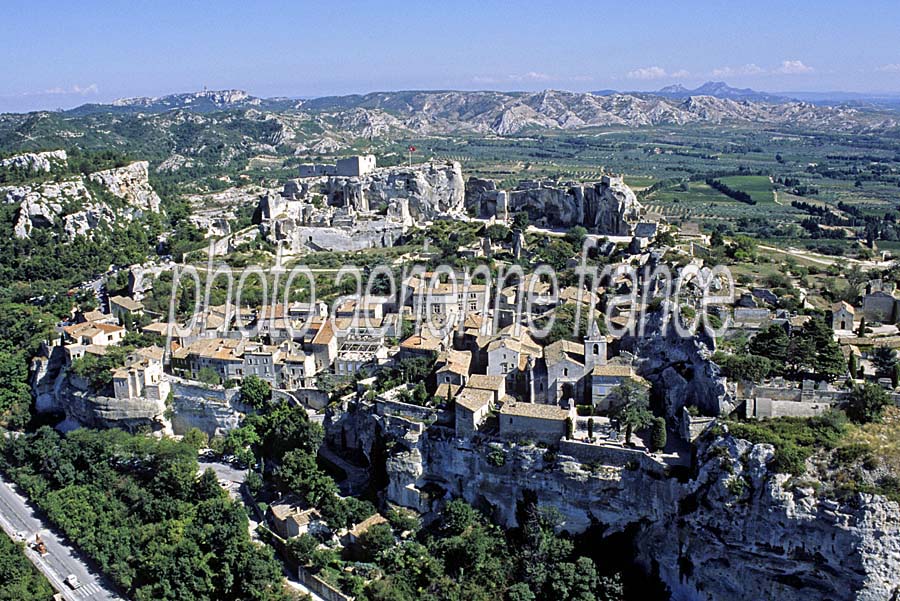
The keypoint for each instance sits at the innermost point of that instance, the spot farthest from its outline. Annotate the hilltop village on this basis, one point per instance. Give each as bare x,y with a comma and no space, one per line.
450,386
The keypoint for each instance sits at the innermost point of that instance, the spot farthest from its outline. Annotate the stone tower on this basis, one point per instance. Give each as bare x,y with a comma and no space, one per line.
594,348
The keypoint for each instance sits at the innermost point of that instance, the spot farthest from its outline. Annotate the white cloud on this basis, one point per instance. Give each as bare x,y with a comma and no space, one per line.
648,73
681,73
748,69
793,68
530,76
891,68
76,89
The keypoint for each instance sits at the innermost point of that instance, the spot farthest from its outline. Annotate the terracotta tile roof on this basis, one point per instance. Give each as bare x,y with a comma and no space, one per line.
474,399
614,370
325,333
126,302
360,529
483,382
535,410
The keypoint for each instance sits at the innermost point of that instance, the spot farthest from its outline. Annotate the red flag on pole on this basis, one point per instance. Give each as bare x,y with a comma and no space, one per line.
412,148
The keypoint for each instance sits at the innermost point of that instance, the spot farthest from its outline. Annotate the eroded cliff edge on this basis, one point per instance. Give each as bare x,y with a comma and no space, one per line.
727,528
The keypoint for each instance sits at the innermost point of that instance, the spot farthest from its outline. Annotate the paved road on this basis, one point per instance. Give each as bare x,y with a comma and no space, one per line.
16,516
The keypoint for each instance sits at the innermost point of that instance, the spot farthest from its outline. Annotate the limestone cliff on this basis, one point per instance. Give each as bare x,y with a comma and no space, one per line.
606,207
36,162
215,410
432,189
727,529
343,213
71,205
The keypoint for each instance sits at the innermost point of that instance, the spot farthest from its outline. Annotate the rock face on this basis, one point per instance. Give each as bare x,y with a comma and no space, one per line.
40,162
344,213
741,533
680,368
431,189
214,410
606,207
131,184
58,392
71,205
731,530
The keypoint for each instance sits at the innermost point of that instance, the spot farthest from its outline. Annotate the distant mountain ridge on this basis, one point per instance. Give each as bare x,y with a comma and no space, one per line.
509,113
719,89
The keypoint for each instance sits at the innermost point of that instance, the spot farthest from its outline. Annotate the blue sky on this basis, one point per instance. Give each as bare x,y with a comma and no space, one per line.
62,54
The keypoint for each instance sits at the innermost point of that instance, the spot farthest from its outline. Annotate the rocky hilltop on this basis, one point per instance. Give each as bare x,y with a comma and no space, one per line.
357,212
606,207
36,162
77,205
431,189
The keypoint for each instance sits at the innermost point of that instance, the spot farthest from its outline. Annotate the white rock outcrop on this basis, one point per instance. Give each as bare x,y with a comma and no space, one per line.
130,183
71,204
37,162
728,529
606,207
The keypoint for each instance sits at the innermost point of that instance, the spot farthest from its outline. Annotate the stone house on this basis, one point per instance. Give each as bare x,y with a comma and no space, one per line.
323,344
95,333
564,362
290,518
842,315
604,378
222,355
495,384
122,306
508,351
471,408
453,367
546,423
880,307
142,376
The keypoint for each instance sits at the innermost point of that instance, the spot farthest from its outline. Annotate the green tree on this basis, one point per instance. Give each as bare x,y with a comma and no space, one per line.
300,474
208,375
575,236
255,391
817,352
457,517
866,403
884,359
375,540
196,438
521,221
19,579
658,434
630,403
772,343
15,393
570,429
744,367
590,428
300,548
861,331
853,365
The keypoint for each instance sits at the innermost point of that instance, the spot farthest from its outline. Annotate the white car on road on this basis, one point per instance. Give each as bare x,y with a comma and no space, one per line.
73,582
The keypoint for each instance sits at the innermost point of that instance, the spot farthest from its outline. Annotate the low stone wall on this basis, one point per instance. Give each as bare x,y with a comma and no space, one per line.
608,454
312,398
320,587
396,408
